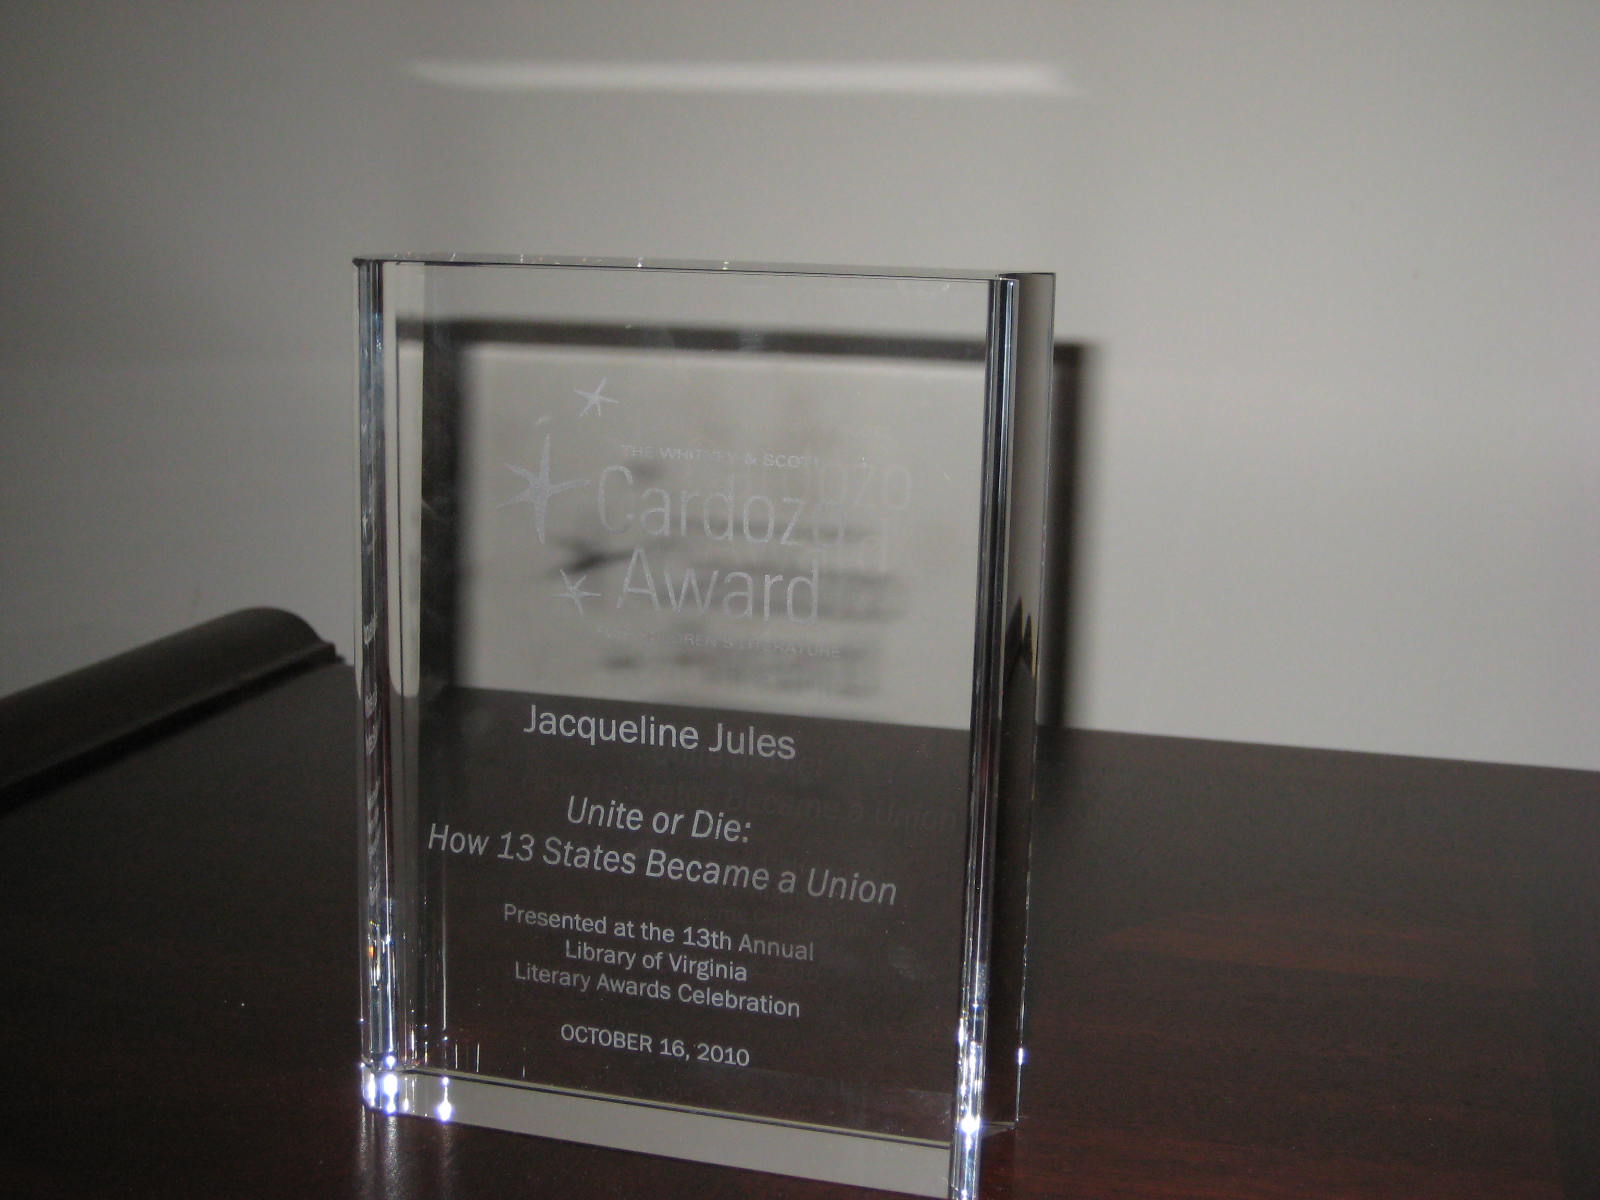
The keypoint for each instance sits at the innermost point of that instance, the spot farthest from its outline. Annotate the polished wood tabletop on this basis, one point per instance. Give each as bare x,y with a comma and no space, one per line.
1256,973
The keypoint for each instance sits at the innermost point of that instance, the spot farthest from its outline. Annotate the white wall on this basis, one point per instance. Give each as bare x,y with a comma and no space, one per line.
1338,263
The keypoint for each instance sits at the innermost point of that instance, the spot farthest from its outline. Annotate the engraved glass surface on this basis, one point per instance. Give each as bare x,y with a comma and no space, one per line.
684,602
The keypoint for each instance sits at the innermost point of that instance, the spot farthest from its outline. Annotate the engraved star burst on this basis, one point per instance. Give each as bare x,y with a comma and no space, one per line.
539,489
574,591
593,400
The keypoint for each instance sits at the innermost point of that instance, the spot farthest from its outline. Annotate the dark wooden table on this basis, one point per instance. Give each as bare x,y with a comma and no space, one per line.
1257,973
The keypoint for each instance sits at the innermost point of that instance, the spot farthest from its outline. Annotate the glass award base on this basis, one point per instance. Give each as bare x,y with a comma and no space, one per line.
699,665
837,1156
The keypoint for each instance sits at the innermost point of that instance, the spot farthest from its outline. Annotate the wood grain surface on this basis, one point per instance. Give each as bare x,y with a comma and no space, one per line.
1257,973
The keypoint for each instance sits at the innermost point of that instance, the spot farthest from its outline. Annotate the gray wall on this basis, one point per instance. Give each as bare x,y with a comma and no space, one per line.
1338,263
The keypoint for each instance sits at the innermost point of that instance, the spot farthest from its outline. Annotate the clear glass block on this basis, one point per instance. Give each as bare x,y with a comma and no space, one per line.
699,662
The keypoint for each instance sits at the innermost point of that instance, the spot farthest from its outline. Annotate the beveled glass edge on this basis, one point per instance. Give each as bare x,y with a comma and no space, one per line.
379,950
624,1123
704,266
1004,714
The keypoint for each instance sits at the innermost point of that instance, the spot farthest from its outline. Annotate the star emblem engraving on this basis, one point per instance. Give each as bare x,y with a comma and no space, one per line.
593,400
574,591
539,489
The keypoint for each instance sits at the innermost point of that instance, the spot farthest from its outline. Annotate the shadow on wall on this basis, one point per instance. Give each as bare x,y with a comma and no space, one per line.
1070,385
477,371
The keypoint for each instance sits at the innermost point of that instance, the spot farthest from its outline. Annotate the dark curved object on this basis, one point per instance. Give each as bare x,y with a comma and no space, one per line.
67,725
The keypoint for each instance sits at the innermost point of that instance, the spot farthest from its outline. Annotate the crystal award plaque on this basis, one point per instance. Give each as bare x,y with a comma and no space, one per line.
698,658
